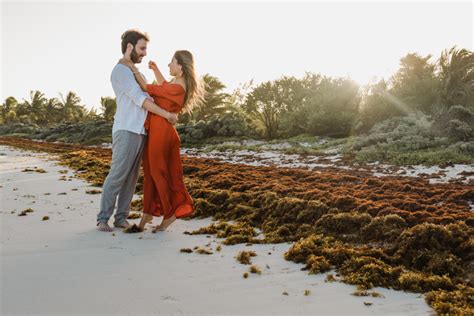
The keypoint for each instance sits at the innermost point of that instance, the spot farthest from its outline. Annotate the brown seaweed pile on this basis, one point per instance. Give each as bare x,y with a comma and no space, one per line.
204,251
133,229
244,257
255,269
234,233
26,211
93,191
134,215
34,169
396,232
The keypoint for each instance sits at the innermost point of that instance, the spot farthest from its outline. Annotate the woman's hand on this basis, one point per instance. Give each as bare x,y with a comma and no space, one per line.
129,64
152,65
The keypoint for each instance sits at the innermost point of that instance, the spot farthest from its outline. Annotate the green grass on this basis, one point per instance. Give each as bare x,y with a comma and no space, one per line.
431,157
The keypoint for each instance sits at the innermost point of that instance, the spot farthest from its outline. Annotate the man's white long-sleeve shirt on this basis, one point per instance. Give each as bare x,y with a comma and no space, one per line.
130,114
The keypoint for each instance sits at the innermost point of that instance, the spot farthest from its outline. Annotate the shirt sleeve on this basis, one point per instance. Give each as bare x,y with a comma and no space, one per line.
125,82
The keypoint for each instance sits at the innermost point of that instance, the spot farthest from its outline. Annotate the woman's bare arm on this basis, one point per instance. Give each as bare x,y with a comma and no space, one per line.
158,75
148,103
155,109
138,77
140,80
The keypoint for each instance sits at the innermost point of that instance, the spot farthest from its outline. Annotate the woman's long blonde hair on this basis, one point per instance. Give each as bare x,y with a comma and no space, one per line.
194,88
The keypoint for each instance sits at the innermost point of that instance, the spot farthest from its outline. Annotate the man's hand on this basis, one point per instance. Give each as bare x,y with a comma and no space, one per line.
172,118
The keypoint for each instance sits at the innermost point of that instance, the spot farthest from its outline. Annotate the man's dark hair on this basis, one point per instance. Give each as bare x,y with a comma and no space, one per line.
133,36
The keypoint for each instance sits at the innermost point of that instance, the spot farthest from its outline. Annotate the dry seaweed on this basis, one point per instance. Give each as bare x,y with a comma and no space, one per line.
367,293
330,278
234,233
317,264
244,257
93,191
133,229
204,251
134,216
255,269
35,169
454,302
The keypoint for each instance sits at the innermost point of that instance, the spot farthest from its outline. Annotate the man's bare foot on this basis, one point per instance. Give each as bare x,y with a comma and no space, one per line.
146,218
164,224
104,227
125,224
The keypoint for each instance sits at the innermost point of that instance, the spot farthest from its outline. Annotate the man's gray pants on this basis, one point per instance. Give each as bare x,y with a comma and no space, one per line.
127,151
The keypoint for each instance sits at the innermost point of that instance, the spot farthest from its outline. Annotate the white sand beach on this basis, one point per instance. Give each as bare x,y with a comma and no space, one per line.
64,266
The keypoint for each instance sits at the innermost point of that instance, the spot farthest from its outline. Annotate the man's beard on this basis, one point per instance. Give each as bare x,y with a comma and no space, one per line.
135,57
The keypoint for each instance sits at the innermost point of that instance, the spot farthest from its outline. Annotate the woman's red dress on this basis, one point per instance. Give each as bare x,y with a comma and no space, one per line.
164,192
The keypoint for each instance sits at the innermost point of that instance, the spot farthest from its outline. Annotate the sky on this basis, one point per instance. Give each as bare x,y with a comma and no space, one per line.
56,47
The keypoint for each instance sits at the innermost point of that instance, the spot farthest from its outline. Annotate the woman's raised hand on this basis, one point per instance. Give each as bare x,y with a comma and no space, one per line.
152,65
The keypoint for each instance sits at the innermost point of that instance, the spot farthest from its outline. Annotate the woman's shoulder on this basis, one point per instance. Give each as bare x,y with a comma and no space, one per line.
179,83
168,88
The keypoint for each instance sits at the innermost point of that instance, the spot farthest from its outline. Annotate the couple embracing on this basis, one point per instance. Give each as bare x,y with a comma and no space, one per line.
144,128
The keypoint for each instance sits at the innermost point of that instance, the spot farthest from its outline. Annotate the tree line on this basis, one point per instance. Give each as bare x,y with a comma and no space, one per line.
314,104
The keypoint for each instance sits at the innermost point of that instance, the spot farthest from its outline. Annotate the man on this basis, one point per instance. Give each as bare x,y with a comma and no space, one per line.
128,134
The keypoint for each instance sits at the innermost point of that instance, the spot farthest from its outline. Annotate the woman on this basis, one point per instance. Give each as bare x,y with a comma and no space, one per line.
164,192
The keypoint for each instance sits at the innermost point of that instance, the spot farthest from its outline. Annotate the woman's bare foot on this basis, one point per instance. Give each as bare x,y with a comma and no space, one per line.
104,227
164,224
125,224
146,218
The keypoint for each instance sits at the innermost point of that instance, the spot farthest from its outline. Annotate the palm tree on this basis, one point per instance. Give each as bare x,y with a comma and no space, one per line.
33,111
54,110
416,84
9,110
108,106
457,75
215,101
73,111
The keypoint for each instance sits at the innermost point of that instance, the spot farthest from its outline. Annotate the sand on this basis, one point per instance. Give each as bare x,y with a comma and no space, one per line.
64,266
